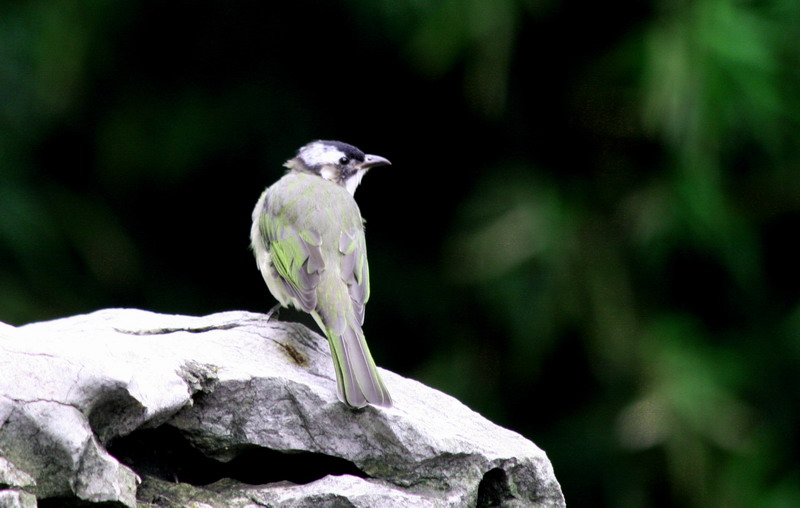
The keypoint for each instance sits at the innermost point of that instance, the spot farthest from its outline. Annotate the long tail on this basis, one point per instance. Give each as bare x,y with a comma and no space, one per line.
356,374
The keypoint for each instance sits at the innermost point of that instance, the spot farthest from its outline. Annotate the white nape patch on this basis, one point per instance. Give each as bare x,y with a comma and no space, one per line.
329,173
319,153
353,182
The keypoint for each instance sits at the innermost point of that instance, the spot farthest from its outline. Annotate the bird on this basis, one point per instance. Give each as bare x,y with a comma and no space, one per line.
308,240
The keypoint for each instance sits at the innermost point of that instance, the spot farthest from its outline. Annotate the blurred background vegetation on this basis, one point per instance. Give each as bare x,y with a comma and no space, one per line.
585,235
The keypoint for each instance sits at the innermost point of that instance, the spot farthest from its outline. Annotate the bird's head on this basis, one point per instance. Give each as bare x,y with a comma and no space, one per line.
335,161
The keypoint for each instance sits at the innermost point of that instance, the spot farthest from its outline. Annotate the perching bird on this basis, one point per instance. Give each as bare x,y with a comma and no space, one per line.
308,240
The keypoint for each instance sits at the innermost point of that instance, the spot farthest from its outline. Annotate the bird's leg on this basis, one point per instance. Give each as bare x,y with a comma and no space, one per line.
273,310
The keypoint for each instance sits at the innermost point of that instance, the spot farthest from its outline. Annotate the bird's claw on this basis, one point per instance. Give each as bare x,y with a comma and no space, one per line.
274,310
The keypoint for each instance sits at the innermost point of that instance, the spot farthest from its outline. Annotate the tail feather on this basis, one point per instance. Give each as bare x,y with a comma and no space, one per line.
357,376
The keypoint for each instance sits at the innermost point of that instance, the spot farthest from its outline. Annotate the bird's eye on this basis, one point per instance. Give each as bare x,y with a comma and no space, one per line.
343,161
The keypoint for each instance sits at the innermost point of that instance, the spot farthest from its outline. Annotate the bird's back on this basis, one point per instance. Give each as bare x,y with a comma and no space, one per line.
311,203
328,220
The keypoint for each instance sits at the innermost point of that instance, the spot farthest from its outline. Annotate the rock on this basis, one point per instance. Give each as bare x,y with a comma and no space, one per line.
332,491
11,476
12,498
227,410
12,480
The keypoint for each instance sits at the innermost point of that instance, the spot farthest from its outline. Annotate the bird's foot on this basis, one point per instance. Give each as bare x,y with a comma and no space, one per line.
274,310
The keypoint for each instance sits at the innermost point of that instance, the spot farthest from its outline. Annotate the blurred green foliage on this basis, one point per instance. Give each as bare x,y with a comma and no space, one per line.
586,233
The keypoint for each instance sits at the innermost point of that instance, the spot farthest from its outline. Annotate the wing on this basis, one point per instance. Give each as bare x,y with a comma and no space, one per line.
296,257
355,269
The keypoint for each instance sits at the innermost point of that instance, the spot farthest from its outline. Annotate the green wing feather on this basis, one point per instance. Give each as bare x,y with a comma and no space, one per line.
355,269
296,257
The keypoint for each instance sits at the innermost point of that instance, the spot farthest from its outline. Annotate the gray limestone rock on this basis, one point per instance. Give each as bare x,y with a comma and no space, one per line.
12,481
227,410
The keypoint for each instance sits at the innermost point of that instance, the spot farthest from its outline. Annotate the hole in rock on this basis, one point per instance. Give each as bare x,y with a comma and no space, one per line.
166,454
494,489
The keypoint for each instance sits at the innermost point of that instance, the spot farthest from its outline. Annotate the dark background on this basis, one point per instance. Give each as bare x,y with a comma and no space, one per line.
587,233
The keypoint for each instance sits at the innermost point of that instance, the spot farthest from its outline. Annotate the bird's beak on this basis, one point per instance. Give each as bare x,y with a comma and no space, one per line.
371,161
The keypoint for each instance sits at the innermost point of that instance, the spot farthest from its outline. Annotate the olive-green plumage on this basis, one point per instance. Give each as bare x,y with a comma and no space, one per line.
308,239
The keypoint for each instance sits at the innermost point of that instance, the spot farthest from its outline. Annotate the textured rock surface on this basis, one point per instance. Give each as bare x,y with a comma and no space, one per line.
12,483
227,410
